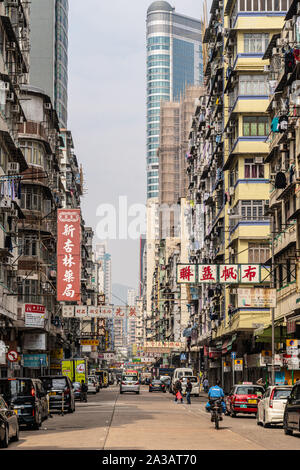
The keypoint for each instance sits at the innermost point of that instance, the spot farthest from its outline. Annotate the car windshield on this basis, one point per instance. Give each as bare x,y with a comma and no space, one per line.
192,379
249,390
156,382
15,388
281,393
129,378
76,385
57,383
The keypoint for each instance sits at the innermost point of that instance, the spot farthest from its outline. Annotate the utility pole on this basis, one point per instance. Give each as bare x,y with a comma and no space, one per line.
273,309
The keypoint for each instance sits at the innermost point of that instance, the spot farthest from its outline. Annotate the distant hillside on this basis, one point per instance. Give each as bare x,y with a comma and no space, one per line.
119,294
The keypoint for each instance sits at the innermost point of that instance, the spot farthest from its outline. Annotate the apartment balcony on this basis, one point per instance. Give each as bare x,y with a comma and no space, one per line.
285,239
287,300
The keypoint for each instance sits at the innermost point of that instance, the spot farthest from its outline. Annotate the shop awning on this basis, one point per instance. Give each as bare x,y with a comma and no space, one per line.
265,335
227,344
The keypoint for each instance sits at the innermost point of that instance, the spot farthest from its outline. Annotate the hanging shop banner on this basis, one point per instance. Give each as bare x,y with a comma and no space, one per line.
89,342
229,273
68,311
68,255
186,273
34,315
218,273
207,273
94,312
81,311
256,298
227,366
250,273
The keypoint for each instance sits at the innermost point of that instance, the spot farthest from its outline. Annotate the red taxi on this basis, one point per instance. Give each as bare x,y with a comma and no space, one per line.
243,398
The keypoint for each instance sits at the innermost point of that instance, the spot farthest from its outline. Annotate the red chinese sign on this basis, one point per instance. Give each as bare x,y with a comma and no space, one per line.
30,308
229,273
68,255
250,273
186,273
207,273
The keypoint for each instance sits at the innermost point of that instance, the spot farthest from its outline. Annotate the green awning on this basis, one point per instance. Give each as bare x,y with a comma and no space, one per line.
265,336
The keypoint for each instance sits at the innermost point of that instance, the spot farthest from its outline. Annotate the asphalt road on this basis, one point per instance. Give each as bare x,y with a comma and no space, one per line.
149,421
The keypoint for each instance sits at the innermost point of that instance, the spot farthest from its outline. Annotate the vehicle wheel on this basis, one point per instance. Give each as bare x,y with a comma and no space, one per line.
16,436
5,442
121,392
137,393
257,420
287,431
216,420
232,414
38,424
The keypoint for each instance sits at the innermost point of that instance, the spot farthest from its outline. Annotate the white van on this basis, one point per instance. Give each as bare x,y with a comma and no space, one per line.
178,373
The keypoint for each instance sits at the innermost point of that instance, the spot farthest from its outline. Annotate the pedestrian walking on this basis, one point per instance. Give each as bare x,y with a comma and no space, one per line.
205,385
178,391
83,391
189,387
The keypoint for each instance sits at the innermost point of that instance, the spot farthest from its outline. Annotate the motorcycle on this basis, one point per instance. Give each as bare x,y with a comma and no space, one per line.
216,411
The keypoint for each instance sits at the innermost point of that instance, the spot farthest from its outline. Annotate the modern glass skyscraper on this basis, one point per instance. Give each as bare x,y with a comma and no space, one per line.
49,52
174,60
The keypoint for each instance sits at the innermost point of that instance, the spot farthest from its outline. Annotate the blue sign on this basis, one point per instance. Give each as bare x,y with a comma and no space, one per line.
183,357
233,355
35,360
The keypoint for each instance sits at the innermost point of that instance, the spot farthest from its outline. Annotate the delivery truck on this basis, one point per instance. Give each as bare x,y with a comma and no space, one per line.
75,369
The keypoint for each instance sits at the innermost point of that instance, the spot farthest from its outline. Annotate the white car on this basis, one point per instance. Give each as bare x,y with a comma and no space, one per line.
130,383
91,386
195,385
271,407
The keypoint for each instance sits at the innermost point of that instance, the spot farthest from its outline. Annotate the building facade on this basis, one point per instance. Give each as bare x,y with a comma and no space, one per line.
49,52
174,60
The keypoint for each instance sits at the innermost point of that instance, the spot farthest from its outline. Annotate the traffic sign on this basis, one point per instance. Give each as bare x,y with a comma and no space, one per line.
12,355
233,355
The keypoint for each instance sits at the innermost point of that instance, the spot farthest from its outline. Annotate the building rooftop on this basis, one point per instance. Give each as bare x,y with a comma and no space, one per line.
158,6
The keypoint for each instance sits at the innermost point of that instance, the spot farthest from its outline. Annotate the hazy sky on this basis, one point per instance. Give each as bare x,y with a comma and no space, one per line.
107,109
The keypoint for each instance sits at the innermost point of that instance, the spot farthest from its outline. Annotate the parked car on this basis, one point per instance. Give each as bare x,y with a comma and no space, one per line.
9,426
178,373
157,385
130,383
291,417
271,407
96,381
56,385
243,399
195,385
92,386
28,398
76,388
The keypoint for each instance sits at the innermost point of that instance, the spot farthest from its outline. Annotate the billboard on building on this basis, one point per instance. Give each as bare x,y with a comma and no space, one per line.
68,255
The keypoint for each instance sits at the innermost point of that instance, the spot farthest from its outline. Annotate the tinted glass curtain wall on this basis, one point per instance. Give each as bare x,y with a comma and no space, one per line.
174,60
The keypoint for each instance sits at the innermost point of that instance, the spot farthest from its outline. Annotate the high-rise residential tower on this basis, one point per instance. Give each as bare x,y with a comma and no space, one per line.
49,52
174,60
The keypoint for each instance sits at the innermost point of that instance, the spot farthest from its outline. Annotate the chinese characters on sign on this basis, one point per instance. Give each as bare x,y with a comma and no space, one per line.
85,312
68,255
218,273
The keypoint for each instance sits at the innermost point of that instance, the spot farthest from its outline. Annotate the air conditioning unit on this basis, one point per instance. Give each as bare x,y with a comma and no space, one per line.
231,191
47,106
5,86
10,97
259,159
266,68
231,42
11,46
13,167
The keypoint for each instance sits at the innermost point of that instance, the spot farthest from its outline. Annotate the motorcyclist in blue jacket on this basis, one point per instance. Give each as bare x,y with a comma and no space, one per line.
216,392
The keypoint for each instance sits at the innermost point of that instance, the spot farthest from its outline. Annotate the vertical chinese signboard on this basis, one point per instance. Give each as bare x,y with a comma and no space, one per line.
68,255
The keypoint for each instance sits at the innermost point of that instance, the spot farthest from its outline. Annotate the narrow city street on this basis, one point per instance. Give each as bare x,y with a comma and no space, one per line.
110,421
